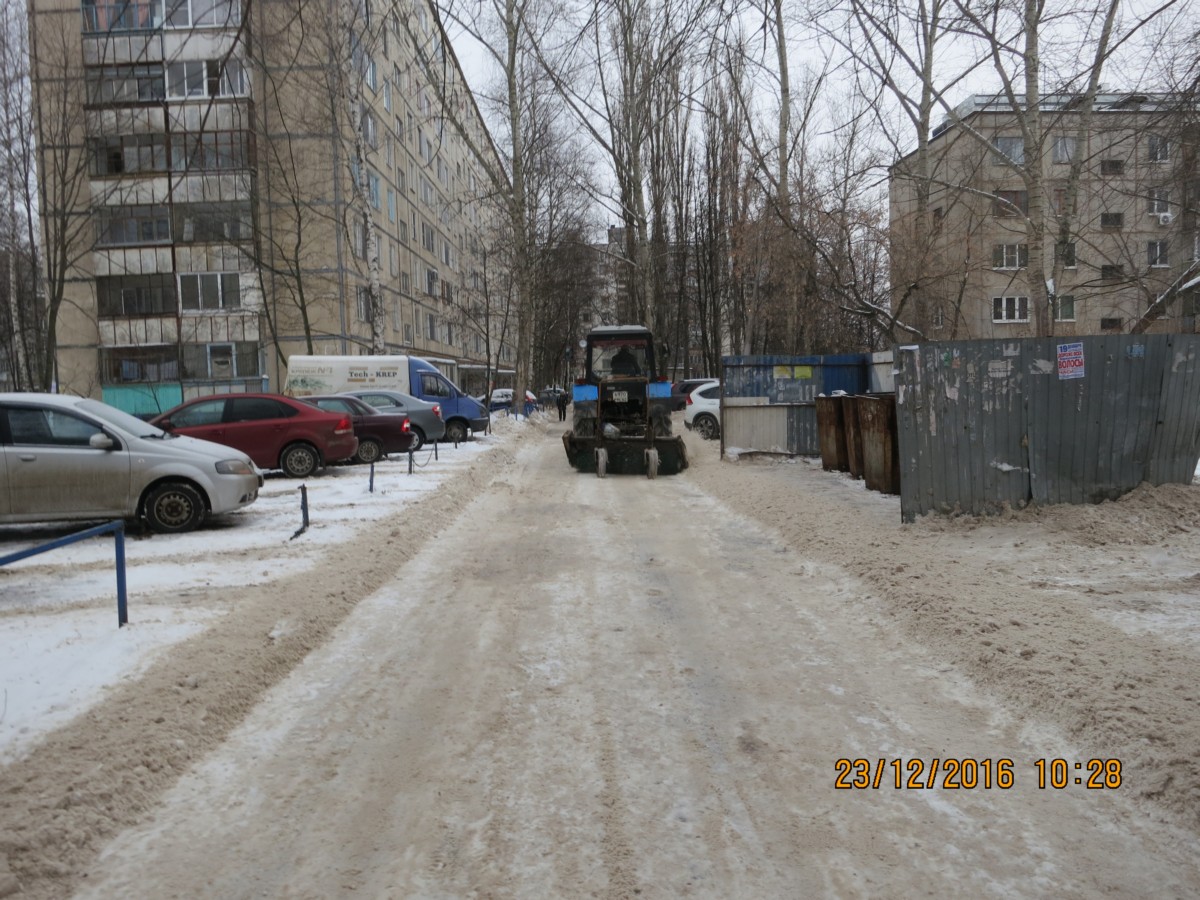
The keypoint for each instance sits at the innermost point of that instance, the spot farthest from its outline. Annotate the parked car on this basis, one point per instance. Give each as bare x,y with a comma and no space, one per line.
65,457
277,432
502,398
425,418
704,410
378,433
681,389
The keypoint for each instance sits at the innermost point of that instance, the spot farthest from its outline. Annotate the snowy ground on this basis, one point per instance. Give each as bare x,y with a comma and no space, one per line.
62,648
495,712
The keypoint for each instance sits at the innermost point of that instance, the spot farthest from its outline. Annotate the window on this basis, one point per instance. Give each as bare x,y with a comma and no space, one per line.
1158,254
1058,202
129,153
208,223
117,225
154,363
120,16
1010,256
210,151
387,95
393,260
408,333
125,84
1009,149
430,327
1010,203
210,290
1112,167
405,284
1112,272
1065,254
187,13
370,130
1110,324
391,205
373,189
1158,148
49,427
206,78
358,237
431,282
1010,309
427,236
224,361
136,295
1158,201
363,296
1064,150
1112,220
1064,308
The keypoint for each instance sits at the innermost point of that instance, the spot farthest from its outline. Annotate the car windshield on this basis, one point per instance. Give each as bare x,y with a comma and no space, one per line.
123,420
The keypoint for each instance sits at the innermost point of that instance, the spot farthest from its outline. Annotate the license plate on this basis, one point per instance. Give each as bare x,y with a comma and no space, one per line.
620,396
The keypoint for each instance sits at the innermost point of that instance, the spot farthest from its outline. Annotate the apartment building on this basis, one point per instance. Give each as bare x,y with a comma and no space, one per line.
244,176
1104,210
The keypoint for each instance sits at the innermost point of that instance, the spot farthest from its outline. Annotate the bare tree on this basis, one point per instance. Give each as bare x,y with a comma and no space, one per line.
22,332
63,160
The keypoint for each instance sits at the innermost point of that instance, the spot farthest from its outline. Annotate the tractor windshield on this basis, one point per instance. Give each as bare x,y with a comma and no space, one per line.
620,357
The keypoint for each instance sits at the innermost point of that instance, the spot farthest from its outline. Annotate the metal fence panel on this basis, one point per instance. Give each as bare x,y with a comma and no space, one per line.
984,424
768,402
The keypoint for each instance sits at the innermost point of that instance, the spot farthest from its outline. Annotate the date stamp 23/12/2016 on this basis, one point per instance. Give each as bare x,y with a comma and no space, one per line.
967,773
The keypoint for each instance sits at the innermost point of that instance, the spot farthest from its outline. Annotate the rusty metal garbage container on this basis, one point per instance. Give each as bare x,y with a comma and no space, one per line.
831,433
854,445
880,442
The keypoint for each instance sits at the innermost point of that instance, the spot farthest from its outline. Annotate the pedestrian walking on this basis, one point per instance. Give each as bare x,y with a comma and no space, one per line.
562,406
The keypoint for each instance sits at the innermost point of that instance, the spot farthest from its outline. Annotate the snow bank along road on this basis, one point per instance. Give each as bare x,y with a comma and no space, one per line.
635,689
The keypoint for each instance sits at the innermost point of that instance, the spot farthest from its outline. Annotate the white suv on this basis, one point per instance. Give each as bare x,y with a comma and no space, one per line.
703,411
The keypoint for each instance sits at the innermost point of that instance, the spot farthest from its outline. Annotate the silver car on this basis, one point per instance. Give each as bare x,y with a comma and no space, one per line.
424,417
67,457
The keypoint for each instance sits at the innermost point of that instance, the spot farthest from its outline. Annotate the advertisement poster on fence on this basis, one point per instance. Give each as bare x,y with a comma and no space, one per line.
1070,360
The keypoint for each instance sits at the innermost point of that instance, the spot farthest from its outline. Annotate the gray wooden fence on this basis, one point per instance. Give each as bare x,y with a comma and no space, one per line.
984,424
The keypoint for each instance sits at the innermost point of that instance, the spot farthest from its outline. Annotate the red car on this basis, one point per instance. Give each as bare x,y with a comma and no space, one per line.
276,432
378,433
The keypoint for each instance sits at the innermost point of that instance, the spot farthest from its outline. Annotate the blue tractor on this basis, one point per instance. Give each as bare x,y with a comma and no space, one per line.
622,412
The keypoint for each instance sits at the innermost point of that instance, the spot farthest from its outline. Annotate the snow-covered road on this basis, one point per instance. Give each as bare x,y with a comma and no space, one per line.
628,689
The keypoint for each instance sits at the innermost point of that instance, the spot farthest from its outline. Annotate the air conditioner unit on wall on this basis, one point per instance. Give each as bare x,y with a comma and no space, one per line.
1165,218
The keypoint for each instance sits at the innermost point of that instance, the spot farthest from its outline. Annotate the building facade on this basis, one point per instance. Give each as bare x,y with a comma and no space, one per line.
299,178
1104,209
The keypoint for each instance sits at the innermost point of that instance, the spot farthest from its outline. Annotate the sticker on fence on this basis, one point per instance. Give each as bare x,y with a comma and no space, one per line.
1070,360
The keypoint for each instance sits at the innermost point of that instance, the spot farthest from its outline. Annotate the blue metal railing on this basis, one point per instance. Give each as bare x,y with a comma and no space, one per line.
117,528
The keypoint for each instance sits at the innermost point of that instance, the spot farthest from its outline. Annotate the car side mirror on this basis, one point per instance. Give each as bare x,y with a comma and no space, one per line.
100,441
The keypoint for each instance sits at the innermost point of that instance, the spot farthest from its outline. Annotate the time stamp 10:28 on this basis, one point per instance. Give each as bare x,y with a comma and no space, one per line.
967,774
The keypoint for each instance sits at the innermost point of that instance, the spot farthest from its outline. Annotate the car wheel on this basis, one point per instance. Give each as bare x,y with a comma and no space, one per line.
420,436
456,431
708,427
174,507
369,451
299,460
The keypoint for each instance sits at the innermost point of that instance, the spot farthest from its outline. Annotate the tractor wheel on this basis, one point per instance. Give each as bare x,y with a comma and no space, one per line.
652,463
601,463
